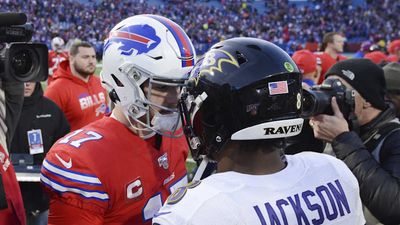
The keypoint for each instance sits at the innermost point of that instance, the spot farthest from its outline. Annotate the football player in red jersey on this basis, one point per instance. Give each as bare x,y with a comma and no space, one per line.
120,169
56,56
332,47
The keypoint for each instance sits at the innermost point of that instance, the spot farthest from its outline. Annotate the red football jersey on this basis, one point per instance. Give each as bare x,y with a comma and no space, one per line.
55,59
111,175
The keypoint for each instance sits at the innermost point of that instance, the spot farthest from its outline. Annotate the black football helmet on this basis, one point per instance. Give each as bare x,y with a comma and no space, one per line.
243,89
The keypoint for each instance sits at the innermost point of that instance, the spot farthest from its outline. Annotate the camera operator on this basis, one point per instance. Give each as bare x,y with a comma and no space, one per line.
372,151
19,62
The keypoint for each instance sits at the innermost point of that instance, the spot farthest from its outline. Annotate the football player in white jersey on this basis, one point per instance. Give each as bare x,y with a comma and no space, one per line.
243,99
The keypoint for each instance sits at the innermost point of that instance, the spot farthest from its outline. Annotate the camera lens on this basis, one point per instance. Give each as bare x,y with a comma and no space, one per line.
22,63
25,62
316,102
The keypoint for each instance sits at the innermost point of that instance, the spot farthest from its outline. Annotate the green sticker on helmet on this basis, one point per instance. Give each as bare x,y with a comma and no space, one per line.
289,67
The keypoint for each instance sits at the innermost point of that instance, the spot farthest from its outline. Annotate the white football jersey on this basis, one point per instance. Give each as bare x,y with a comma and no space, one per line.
314,188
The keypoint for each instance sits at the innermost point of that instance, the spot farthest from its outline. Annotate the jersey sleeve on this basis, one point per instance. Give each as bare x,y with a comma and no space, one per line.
198,205
217,210
68,178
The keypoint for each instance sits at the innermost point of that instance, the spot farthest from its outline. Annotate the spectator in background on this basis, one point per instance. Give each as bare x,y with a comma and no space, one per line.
57,54
42,120
394,51
372,152
332,46
307,63
319,67
377,57
392,77
364,49
76,90
372,20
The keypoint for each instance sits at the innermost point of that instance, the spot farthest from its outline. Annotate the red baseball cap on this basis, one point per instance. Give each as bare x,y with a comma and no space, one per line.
392,58
305,60
394,46
376,57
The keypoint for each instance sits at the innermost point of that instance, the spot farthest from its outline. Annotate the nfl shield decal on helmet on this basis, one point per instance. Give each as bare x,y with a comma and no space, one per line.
134,40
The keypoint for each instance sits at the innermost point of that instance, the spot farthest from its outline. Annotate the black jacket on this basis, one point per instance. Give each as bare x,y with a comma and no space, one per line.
379,181
12,101
38,112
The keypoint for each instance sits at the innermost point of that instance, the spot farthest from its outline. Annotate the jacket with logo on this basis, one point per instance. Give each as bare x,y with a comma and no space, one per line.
82,102
38,113
379,179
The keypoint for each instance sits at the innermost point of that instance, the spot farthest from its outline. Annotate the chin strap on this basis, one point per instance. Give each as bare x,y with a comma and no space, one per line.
200,170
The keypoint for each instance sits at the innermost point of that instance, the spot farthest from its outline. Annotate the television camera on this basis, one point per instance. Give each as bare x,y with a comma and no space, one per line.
20,60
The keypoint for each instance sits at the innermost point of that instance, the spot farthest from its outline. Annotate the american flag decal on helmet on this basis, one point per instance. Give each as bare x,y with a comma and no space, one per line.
276,88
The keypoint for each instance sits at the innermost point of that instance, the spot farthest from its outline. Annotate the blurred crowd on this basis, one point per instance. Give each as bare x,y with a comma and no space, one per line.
353,115
284,23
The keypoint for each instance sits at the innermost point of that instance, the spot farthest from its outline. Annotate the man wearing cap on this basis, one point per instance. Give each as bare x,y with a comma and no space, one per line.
394,51
377,57
364,49
372,152
392,77
307,63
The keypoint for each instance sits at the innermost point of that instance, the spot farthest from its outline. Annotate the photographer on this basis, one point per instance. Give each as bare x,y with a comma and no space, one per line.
372,152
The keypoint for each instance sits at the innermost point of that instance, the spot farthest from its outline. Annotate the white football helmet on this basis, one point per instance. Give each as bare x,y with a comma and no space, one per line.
146,50
57,44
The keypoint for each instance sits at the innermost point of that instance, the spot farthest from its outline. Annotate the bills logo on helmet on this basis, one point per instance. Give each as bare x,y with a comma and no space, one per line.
134,40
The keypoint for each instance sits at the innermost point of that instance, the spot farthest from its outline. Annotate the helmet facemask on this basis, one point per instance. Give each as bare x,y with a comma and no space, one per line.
162,115
146,59
152,107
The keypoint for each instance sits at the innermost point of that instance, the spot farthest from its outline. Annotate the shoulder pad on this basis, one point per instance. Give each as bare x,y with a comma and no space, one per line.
180,192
